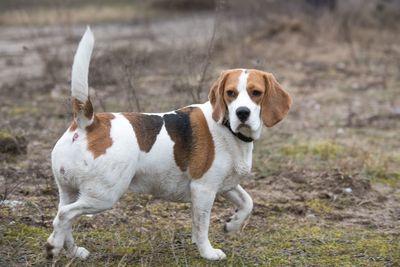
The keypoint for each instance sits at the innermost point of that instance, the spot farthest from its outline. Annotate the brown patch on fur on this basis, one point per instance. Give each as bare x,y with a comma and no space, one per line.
202,149
86,108
194,146
276,101
231,84
255,81
98,134
78,107
146,128
73,126
228,80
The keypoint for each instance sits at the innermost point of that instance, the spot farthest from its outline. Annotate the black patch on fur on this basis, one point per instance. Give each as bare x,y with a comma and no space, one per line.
49,253
180,130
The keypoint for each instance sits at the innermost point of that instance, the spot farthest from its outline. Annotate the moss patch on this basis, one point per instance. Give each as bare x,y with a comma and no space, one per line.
383,169
322,149
12,144
319,206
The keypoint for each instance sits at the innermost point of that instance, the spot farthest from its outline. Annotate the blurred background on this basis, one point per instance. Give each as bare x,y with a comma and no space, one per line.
325,180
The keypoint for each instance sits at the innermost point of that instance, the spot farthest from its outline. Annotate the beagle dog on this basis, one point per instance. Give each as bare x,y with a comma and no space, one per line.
187,155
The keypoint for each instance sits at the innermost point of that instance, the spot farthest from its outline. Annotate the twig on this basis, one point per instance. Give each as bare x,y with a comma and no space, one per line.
131,88
9,190
70,262
197,93
39,210
173,247
101,102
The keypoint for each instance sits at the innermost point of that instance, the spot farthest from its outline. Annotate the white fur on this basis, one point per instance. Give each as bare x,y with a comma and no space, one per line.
89,185
80,67
79,76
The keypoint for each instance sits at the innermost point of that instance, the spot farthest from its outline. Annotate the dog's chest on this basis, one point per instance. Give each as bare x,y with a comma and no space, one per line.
240,171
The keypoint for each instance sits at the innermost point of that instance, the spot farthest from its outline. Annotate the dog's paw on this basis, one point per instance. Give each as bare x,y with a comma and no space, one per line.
53,246
233,226
82,253
79,252
51,251
213,254
235,223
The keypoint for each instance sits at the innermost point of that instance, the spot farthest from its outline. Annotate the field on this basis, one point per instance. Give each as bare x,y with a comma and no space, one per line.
325,181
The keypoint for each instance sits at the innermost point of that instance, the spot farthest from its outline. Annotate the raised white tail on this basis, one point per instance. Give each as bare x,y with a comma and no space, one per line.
81,105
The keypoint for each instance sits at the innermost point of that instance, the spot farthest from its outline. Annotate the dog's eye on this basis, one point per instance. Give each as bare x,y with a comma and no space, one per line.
230,93
256,93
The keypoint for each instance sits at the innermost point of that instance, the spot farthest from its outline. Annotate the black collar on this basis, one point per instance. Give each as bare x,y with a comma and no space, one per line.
238,134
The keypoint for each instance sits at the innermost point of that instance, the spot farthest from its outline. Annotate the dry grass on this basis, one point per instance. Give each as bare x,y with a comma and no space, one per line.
90,14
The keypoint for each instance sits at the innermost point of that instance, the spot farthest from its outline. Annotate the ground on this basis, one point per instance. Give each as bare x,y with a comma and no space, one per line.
325,180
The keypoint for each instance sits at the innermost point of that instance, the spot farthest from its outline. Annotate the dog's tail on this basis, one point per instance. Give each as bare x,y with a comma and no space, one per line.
81,105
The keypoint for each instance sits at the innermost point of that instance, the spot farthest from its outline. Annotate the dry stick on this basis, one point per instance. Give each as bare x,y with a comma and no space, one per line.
38,209
173,247
121,262
354,19
184,255
210,50
100,100
9,189
349,38
132,91
70,262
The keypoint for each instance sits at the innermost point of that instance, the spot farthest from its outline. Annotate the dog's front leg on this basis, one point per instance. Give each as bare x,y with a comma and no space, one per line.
202,197
244,205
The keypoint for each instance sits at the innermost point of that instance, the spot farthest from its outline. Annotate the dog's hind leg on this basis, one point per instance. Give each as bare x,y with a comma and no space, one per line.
94,196
69,244
244,204
54,245
68,196
62,234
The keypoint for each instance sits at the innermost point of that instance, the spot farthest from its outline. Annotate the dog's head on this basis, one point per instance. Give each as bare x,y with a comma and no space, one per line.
248,98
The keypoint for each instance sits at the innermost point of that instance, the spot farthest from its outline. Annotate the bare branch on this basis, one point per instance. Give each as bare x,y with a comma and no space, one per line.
217,18
131,88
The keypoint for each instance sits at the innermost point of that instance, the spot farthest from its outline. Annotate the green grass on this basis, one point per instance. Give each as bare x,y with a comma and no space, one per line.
322,149
378,165
318,206
275,244
383,169
6,136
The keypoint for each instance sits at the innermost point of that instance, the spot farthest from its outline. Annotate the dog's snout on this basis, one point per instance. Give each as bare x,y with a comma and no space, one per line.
243,113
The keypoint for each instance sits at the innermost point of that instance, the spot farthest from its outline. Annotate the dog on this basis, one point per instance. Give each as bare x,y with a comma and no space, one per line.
188,155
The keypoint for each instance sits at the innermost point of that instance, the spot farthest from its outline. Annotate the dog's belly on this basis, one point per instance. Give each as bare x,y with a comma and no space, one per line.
157,173
171,186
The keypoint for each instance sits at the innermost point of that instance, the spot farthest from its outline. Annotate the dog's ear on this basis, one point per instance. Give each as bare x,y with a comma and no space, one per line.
216,97
276,102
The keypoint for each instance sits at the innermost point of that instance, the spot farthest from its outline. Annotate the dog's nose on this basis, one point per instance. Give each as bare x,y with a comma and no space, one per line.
243,113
